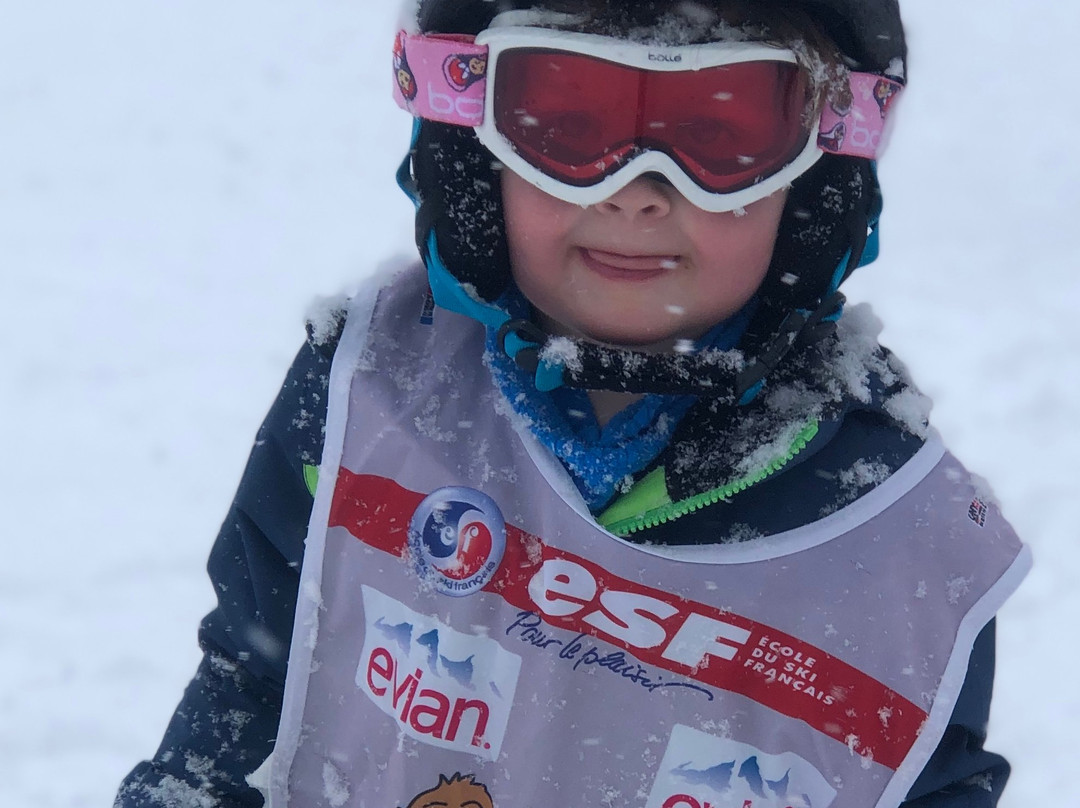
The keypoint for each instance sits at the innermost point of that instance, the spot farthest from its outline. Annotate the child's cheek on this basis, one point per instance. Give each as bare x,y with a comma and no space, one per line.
532,214
751,231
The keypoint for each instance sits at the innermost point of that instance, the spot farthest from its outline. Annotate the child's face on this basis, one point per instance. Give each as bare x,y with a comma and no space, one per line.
644,268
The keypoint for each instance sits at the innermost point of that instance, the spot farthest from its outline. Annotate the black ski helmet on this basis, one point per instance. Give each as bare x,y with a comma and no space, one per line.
822,237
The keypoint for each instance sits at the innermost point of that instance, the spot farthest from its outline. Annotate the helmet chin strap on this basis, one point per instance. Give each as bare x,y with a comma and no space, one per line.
728,376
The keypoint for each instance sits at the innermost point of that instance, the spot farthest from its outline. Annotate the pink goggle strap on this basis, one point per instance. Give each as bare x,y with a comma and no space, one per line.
856,130
441,78
444,78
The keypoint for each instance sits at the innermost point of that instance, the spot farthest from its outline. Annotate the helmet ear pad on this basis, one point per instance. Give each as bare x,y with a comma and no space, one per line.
460,190
826,213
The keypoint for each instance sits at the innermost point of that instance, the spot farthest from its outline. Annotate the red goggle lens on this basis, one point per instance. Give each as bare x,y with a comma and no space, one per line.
579,119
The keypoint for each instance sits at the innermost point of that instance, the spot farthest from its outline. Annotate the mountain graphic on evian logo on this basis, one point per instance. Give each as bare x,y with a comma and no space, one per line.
700,770
440,686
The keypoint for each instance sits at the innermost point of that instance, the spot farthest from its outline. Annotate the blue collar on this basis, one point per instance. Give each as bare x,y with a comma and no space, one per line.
601,460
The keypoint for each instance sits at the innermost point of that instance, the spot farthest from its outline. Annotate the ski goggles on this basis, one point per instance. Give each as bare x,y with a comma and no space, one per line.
580,116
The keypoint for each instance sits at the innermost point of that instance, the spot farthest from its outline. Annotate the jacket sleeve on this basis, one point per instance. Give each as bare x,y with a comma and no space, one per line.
960,773
226,722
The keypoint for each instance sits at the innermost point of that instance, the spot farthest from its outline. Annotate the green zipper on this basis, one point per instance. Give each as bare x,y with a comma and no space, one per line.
648,503
311,478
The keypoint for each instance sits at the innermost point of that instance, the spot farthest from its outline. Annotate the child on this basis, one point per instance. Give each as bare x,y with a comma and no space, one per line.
608,503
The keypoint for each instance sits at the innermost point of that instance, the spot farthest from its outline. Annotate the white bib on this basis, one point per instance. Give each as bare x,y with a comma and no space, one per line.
466,634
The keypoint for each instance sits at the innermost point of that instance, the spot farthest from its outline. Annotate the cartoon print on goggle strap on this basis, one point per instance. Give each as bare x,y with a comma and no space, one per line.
462,71
402,72
884,93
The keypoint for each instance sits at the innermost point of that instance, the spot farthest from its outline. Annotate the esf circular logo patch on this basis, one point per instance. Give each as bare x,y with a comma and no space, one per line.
457,537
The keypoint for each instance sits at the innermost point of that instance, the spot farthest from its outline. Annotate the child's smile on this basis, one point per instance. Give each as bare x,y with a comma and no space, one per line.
618,266
643,268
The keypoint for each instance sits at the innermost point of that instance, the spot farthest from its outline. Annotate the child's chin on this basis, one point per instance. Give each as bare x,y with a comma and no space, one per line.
634,340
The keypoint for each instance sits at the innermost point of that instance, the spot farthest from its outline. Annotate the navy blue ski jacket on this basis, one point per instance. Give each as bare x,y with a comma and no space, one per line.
226,722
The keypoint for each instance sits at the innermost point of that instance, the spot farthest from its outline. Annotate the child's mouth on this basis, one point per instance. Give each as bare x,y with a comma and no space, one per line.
627,267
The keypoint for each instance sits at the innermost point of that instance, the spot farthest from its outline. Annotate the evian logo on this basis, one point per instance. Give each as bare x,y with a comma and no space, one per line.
442,687
457,537
665,57
704,771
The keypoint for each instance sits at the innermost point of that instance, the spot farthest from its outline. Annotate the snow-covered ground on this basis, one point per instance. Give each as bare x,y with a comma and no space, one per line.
179,179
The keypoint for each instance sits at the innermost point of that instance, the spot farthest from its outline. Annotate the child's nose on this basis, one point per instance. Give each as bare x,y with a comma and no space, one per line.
647,196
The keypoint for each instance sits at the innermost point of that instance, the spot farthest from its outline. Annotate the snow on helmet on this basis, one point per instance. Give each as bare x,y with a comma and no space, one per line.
828,227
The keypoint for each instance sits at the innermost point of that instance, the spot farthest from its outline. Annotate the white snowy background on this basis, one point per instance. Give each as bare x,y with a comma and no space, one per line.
179,179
